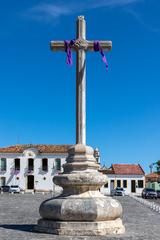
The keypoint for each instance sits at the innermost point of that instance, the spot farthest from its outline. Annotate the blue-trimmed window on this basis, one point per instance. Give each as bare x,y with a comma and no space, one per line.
58,164
3,164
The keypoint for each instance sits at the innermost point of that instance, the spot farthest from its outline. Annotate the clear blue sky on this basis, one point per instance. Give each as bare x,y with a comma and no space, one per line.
38,89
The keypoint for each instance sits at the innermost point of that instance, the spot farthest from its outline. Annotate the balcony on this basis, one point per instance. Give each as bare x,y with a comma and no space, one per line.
43,170
16,171
29,171
2,171
55,172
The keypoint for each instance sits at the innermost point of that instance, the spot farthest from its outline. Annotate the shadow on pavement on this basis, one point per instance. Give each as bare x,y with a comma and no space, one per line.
20,227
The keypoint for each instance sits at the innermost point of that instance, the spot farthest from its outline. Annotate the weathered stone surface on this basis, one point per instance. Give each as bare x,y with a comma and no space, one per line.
81,228
81,209
80,179
80,159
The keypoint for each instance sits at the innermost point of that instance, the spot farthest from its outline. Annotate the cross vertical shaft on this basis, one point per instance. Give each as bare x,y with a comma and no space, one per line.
81,85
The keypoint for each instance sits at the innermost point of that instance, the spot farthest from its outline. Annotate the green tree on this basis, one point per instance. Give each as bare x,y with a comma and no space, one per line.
158,165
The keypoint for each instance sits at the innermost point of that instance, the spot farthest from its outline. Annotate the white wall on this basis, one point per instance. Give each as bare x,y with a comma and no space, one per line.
110,177
40,184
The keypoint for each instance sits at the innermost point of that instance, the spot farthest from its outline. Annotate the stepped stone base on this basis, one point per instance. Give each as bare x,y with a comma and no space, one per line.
81,210
81,228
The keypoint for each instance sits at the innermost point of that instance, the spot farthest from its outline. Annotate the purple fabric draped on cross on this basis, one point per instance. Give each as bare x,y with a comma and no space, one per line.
97,48
68,45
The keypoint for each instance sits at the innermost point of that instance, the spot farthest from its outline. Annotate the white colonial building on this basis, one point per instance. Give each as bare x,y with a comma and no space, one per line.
32,167
131,177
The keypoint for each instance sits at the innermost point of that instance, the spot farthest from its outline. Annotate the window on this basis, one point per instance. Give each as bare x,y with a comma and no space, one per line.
45,164
125,183
58,164
2,181
3,165
30,164
17,164
140,183
106,185
118,183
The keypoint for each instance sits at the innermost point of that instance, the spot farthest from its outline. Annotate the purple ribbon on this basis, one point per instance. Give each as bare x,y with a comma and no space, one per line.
68,45
98,48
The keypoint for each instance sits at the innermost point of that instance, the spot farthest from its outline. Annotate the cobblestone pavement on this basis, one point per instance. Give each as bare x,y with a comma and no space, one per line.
19,214
157,201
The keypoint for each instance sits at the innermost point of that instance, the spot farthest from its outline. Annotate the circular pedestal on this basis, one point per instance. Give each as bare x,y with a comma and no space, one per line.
81,209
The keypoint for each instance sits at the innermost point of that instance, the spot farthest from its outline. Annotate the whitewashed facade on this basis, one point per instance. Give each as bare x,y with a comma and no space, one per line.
31,169
132,182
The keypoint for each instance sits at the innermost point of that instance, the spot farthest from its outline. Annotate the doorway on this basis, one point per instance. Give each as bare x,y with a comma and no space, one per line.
30,182
133,186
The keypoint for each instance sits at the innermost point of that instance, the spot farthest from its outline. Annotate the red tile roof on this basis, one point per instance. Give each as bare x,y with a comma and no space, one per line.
153,177
127,169
123,169
106,170
150,175
42,148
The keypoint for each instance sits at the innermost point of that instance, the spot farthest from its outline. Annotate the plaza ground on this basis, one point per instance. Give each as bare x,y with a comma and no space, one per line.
156,201
19,214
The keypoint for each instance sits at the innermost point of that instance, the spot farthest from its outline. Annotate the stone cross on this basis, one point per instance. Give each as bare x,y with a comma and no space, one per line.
81,209
81,46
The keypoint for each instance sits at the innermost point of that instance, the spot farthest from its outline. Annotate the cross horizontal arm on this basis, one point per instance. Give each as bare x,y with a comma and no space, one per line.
87,45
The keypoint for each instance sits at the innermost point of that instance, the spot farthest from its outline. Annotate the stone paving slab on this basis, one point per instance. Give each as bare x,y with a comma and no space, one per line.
19,214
